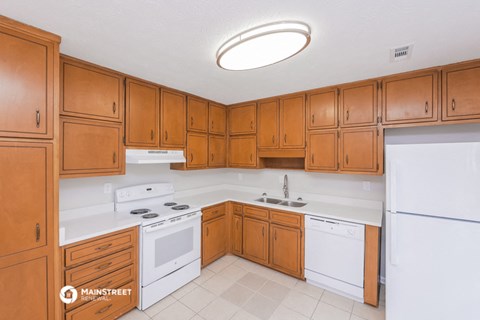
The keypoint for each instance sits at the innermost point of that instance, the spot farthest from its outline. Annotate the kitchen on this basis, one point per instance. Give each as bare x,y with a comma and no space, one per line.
275,177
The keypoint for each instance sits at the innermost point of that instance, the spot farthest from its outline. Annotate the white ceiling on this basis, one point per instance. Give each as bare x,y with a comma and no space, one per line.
174,42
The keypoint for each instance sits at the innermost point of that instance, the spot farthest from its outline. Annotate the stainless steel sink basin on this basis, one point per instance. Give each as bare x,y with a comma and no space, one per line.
269,200
292,204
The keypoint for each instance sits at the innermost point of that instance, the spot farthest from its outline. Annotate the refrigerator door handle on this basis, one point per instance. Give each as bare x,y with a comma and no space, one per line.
393,186
393,239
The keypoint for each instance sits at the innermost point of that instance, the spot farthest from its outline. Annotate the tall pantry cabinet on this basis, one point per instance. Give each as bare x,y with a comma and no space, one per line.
29,84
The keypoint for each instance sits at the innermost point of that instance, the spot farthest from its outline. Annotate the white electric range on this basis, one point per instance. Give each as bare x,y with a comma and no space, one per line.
170,238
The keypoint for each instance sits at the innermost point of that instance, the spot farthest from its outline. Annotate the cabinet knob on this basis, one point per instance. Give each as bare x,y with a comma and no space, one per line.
37,232
426,106
346,158
114,157
313,158
275,234
348,114
313,118
212,124
191,121
213,156
273,139
166,135
37,118
453,104
285,138
191,157
251,157
263,231
114,107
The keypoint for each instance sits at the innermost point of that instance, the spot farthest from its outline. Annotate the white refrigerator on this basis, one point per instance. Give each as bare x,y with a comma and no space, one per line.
433,231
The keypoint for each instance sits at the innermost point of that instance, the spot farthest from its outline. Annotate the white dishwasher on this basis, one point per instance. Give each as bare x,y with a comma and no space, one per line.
334,255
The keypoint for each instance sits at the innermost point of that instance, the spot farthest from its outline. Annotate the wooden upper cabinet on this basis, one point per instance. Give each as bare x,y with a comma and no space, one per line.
26,167
172,119
142,113
28,69
242,151
242,119
461,92
410,98
292,122
218,119
322,151
197,115
322,109
358,104
268,120
90,92
359,150
90,147
217,149
197,150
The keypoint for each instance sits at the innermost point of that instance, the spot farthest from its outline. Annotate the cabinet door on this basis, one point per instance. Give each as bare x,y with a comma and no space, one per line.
322,150
142,113
322,110
24,290
358,104
218,119
461,94
90,147
26,167
242,119
197,115
255,240
286,249
26,85
268,122
197,150
359,150
90,92
292,122
213,240
237,234
217,150
172,119
242,151
410,98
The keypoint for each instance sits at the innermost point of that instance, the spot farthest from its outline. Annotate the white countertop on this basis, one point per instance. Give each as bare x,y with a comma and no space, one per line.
84,223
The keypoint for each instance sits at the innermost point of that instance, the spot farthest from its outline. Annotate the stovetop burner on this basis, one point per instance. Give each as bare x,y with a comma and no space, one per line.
169,204
150,215
140,211
181,207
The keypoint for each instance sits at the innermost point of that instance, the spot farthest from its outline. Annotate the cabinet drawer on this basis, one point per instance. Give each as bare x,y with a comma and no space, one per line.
286,218
113,280
106,309
256,212
213,212
98,268
237,208
98,248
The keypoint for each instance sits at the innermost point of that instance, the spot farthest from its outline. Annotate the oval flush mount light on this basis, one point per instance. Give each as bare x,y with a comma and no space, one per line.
263,45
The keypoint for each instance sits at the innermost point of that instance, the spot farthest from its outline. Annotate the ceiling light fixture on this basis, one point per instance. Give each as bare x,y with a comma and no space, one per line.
263,45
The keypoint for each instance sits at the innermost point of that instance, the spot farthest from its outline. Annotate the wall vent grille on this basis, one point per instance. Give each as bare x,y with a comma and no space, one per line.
401,53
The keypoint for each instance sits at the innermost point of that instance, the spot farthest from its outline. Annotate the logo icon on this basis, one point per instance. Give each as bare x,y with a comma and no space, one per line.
68,294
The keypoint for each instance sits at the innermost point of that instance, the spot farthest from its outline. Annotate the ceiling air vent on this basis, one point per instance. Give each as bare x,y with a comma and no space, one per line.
401,53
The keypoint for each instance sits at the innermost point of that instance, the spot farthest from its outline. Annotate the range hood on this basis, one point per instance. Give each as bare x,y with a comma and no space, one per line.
138,156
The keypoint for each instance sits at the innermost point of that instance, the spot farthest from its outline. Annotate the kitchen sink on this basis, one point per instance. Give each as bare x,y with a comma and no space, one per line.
286,203
269,200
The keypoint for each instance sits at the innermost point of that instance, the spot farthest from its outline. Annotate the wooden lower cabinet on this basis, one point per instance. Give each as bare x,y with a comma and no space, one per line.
237,234
255,240
286,249
214,233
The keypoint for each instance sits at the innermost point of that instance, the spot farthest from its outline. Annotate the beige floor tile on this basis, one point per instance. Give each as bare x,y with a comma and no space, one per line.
244,315
197,317
326,311
274,291
309,290
204,276
233,272
180,293
197,299
300,303
245,264
368,312
159,306
219,309
354,317
252,281
229,259
283,313
175,311
218,265
260,306
238,294
217,284
338,301
135,314
285,280
265,272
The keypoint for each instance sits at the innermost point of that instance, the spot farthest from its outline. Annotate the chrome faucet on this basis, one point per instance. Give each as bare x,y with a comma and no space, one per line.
285,186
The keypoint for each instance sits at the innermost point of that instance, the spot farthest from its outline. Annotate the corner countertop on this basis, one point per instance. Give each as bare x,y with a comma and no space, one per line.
84,223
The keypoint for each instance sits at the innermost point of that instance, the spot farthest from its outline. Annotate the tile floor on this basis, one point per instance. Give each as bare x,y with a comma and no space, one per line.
237,289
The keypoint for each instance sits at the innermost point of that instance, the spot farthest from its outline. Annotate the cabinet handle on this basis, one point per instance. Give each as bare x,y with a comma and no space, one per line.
191,121
348,114
263,231
103,266
114,107
166,135
212,157
273,139
105,285
114,157
251,124
426,106
37,232
313,158
207,231
251,157
151,134
453,104
104,309
346,158
37,118
285,138
275,234
313,118
212,124
236,224
103,247
191,157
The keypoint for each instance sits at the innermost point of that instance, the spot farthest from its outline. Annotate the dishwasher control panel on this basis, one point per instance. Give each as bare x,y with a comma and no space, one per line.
337,227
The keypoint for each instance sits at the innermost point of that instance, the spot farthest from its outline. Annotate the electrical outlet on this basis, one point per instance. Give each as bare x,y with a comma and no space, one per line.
107,188
366,186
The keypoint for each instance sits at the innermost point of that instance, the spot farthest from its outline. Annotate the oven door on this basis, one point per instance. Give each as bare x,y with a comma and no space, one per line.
168,249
